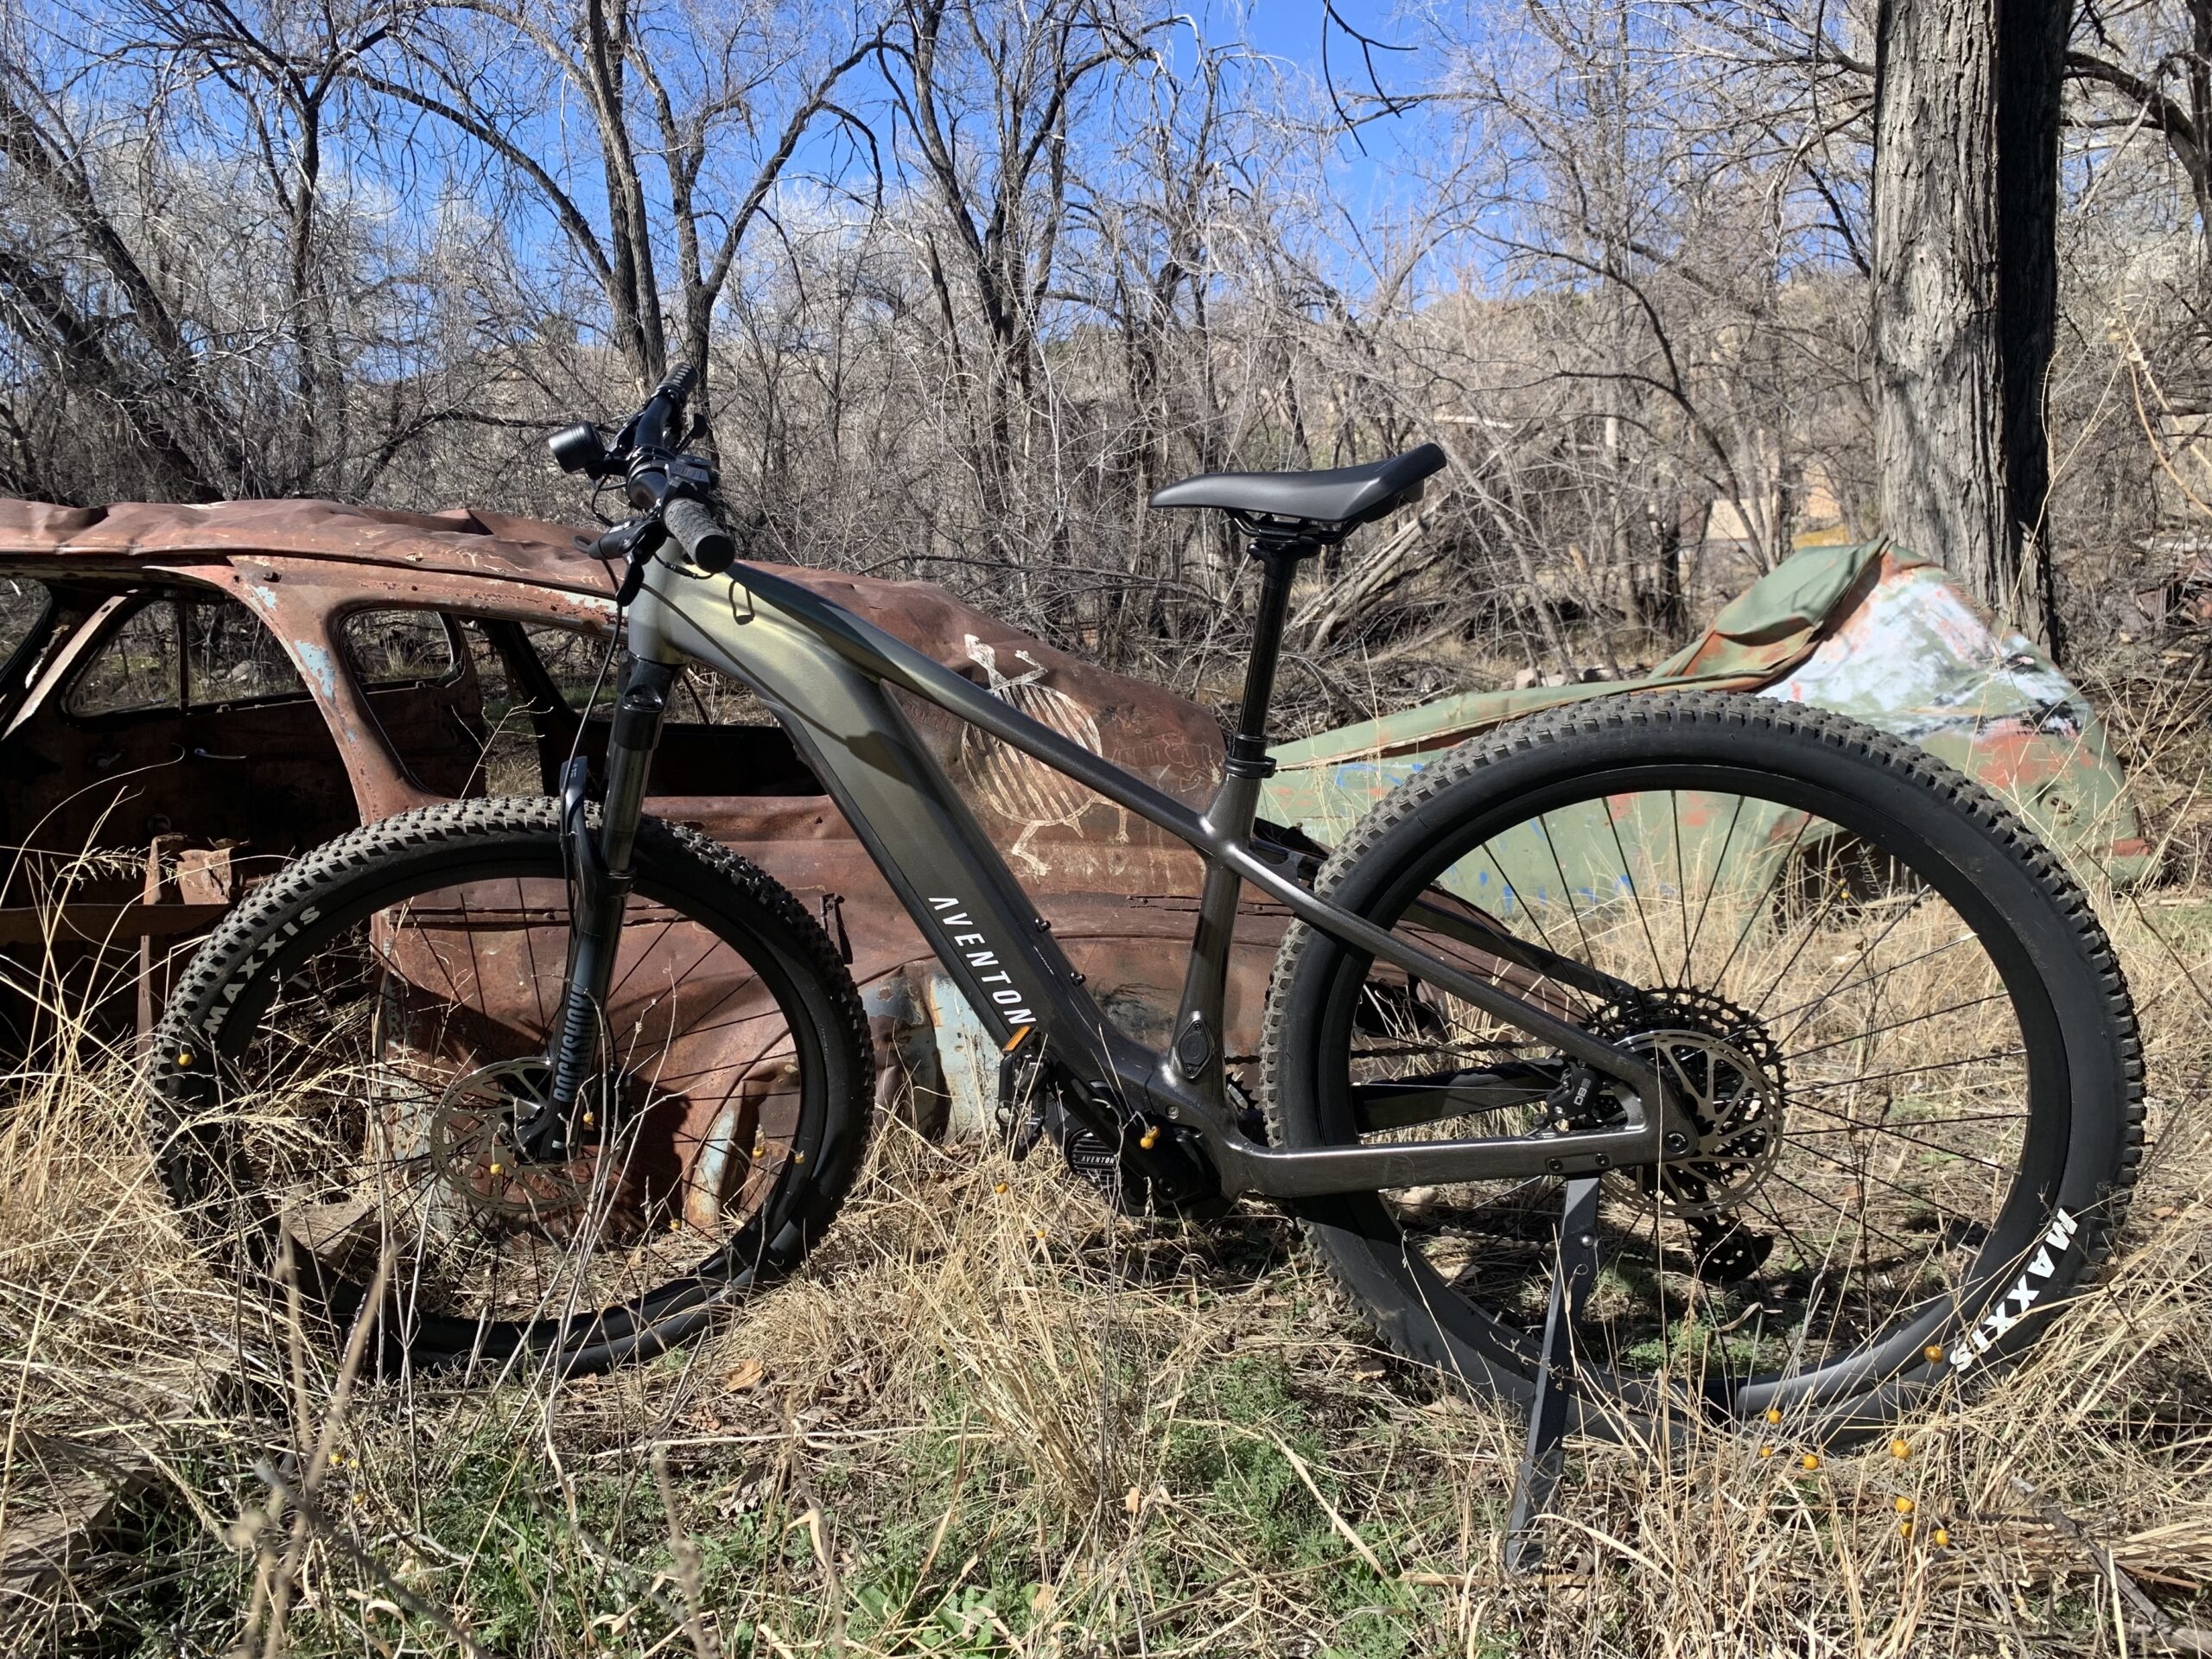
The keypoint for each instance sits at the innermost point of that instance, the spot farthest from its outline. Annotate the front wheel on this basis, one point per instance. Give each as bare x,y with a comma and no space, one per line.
339,1073
1907,1045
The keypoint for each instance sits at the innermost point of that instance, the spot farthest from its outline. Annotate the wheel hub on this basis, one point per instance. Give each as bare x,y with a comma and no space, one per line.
1727,1074
474,1148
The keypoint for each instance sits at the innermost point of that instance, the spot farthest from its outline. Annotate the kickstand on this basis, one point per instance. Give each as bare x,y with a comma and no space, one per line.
1574,1268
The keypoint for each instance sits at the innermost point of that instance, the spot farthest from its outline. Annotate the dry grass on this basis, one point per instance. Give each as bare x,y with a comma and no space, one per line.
1000,1421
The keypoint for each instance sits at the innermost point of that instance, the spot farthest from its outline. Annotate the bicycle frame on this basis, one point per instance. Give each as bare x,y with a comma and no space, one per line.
829,678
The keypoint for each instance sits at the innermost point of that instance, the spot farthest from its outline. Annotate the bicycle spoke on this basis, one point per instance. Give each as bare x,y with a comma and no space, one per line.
483,1234
1628,874
1720,862
1903,1025
1566,892
1895,967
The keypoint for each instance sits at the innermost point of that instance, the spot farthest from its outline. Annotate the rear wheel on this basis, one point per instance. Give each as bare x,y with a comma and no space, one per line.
1907,1045
341,1070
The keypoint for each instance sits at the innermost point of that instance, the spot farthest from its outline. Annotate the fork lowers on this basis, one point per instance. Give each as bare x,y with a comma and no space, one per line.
600,875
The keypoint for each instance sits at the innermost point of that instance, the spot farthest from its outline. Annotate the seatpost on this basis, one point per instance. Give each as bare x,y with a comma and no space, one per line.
1248,749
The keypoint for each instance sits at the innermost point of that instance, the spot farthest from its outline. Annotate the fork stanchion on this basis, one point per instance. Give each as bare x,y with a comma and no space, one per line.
1574,1269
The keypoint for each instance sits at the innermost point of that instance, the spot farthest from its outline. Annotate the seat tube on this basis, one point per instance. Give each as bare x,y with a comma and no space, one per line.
1200,1018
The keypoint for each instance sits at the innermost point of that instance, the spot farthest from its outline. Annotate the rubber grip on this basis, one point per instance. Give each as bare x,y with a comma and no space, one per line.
677,383
704,542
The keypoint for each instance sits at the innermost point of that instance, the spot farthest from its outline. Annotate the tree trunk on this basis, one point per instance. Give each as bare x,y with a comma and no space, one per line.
1963,334
2031,77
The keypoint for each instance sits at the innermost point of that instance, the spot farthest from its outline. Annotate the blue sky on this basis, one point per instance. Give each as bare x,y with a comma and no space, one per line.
1293,31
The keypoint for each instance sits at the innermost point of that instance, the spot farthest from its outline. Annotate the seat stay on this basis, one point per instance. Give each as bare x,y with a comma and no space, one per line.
1478,929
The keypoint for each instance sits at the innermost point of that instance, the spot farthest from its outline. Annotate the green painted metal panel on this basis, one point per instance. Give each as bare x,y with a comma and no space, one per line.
1868,629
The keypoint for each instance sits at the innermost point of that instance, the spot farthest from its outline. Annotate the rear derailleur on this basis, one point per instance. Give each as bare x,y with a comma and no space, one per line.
1723,1251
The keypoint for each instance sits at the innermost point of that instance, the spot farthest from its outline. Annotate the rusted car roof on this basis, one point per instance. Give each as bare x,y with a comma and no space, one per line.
1144,728
458,541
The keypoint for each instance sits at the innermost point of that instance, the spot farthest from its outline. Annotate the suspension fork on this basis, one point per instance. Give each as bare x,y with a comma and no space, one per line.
602,871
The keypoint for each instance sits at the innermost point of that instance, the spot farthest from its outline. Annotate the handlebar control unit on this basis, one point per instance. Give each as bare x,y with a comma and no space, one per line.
671,493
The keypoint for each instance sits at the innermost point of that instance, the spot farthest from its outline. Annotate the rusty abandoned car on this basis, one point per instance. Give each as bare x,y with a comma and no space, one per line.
204,692
213,690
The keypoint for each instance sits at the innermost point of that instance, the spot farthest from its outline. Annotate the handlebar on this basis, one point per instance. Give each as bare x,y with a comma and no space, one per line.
704,542
665,407
673,491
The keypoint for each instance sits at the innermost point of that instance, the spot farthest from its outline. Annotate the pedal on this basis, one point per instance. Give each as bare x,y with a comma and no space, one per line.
1023,1090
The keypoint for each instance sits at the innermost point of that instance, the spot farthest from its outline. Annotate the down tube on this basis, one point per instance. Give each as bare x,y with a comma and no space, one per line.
925,841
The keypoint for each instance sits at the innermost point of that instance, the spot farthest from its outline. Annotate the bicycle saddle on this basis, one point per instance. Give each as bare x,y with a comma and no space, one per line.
1335,499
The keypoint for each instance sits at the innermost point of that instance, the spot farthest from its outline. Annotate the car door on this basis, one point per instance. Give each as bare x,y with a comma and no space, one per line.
260,765
419,678
97,761
185,717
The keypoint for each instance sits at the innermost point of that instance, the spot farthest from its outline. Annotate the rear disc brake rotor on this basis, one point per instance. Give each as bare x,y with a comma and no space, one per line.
1729,1077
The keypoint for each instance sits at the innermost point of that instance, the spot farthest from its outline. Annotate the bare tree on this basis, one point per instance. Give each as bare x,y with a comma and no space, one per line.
697,116
1964,289
971,279
2150,66
122,341
992,98
282,65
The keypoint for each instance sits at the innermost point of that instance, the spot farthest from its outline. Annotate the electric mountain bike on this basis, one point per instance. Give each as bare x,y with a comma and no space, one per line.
1667,1057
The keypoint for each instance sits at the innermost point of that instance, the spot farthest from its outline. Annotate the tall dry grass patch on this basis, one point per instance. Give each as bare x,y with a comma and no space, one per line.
992,1417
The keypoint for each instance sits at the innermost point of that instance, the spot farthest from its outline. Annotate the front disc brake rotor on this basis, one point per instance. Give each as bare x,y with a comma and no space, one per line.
472,1145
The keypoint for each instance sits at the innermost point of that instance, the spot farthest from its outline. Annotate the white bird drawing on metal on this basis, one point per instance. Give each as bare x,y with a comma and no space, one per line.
1029,792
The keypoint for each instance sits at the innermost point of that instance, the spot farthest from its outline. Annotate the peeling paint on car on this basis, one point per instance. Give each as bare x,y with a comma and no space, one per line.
1870,630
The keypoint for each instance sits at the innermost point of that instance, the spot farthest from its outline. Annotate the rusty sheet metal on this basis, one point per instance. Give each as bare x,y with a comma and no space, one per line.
459,557
1917,657
1770,627
1876,634
714,1109
301,568
460,543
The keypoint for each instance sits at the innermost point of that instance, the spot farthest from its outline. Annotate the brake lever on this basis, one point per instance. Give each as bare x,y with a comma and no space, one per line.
632,579
634,542
617,543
